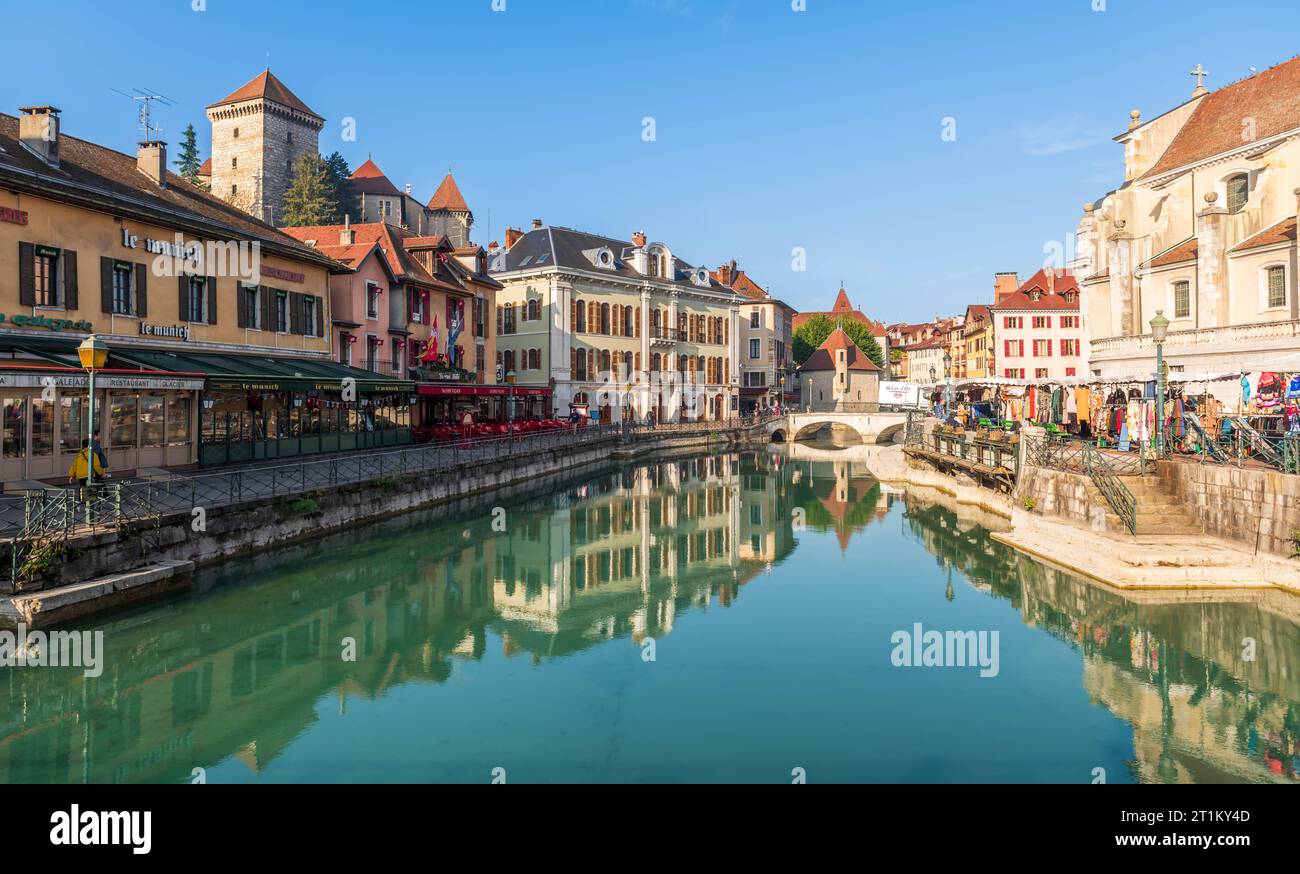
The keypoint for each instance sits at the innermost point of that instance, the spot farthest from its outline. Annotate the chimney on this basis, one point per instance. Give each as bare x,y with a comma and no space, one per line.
638,239
408,189
1004,284
537,223
492,247
512,236
151,160
38,130
724,273
347,237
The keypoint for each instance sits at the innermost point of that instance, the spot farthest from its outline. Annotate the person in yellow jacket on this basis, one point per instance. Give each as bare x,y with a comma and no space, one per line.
82,463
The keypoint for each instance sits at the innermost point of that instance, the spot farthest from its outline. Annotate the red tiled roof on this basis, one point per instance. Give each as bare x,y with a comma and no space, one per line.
1184,251
352,256
1282,232
266,86
205,169
1270,98
842,308
448,197
391,242
1050,289
742,285
369,179
824,358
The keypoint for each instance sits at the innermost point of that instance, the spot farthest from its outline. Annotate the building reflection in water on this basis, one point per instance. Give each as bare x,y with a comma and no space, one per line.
1174,671
240,668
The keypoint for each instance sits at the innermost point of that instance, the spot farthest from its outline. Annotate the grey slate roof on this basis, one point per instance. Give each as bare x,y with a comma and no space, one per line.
564,247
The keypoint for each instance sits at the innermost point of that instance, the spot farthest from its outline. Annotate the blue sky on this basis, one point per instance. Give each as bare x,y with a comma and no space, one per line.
775,129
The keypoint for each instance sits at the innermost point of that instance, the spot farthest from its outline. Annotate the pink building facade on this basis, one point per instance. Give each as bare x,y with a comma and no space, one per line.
1038,331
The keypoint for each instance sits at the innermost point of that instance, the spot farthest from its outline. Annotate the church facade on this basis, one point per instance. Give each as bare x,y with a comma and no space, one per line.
1203,230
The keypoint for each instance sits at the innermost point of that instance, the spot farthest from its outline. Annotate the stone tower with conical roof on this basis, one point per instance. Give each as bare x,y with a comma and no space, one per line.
449,214
258,133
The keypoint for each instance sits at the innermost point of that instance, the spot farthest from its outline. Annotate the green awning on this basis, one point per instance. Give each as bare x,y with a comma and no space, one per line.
264,373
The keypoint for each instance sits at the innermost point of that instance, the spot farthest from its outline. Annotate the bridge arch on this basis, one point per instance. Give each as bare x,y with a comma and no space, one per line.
890,434
808,429
778,435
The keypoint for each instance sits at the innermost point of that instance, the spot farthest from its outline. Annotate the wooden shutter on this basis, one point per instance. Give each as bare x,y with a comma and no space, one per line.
266,297
295,313
106,285
638,322
27,274
211,289
183,297
70,300
320,317
500,319
573,317
141,289
241,305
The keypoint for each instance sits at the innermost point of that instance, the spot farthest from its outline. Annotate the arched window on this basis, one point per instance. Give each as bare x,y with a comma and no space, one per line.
1238,192
629,324
604,318
654,361
534,359
534,310
604,360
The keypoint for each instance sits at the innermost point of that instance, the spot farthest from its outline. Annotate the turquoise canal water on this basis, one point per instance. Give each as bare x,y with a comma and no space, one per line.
719,617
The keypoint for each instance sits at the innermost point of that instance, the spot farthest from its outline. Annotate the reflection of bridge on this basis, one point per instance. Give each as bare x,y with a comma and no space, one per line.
871,427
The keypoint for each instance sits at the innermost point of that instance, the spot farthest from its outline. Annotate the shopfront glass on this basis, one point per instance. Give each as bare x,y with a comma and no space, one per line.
72,422
178,419
15,427
42,427
123,418
153,410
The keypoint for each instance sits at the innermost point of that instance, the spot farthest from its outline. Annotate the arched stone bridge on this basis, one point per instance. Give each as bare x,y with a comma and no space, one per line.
871,427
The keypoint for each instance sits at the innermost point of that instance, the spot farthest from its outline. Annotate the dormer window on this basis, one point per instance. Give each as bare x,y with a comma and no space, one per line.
605,258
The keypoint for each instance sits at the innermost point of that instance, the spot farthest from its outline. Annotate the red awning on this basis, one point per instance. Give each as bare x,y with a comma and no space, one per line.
429,390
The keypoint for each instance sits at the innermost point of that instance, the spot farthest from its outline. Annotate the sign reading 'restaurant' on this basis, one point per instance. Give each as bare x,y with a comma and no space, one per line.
13,216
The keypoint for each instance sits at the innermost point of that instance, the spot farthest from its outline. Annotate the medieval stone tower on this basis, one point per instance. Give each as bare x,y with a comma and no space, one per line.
258,134
448,213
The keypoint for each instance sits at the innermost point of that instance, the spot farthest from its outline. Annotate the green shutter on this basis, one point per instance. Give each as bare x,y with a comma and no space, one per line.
70,299
142,290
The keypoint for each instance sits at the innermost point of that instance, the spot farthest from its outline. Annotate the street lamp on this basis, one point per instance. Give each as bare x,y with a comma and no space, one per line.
1159,329
947,373
93,353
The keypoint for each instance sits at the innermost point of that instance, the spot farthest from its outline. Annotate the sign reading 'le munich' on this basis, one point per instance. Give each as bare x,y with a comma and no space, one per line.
13,216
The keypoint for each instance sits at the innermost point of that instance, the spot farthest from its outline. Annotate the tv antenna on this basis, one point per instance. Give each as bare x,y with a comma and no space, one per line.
146,100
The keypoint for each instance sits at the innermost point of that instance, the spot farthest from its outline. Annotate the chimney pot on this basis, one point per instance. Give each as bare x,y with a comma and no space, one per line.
537,223
512,236
638,238
38,130
151,160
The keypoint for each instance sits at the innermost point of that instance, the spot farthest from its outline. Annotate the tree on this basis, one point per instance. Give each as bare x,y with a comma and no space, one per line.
813,333
343,194
188,164
309,199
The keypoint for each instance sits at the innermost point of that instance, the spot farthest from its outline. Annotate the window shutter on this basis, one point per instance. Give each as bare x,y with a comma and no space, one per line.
106,285
500,319
70,279
141,289
320,317
27,274
183,297
638,323
295,313
266,297
241,305
573,317
211,289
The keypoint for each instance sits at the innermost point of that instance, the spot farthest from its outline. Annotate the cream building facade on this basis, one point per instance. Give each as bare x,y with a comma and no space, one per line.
1203,229
619,330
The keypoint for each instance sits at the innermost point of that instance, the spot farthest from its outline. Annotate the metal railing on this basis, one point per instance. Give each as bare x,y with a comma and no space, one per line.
831,407
39,516
1080,456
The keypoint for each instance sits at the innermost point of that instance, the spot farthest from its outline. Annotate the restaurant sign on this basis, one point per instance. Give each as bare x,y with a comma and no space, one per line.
102,380
13,216
179,332
286,275
21,321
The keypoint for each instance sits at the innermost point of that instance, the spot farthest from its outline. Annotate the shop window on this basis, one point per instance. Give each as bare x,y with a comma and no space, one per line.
123,415
152,412
15,428
42,427
72,422
178,420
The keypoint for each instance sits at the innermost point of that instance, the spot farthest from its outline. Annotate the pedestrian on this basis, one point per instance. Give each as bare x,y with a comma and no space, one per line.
86,461
99,452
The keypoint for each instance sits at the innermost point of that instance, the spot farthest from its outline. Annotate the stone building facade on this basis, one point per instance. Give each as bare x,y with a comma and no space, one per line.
258,134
